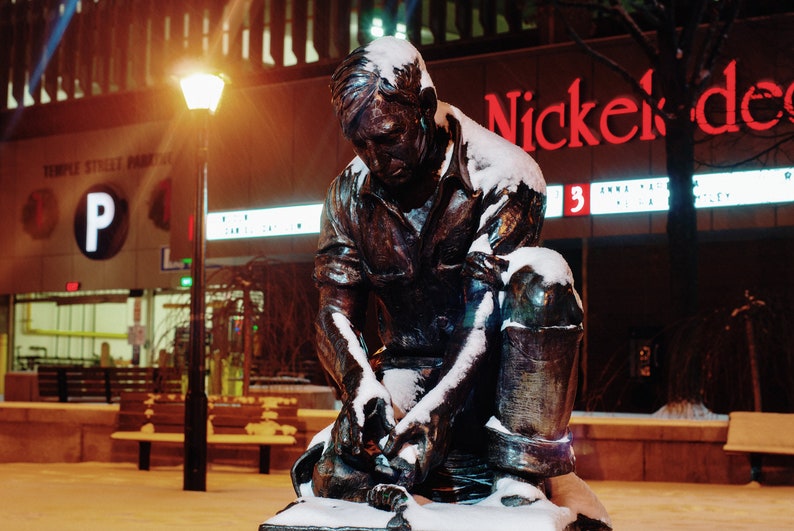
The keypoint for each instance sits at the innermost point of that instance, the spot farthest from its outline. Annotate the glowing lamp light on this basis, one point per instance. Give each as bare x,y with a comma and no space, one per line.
202,91
202,94
185,282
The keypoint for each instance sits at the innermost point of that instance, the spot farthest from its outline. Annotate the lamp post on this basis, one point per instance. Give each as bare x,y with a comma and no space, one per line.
202,94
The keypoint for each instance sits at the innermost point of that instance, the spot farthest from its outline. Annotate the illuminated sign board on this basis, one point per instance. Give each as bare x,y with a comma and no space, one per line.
598,198
265,222
101,222
711,190
576,122
575,200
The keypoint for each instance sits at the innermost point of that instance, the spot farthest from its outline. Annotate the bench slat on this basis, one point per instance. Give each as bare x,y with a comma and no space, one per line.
234,440
756,432
104,383
230,416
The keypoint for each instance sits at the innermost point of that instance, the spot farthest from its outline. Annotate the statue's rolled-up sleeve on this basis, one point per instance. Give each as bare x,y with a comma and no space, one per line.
511,219
337,261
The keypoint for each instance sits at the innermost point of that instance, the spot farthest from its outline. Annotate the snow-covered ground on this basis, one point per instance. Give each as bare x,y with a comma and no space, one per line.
118,497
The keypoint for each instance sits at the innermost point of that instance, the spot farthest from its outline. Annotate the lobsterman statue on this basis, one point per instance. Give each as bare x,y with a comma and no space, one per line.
466,403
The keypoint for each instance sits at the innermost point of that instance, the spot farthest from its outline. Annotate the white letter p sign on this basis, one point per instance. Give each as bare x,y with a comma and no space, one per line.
100,210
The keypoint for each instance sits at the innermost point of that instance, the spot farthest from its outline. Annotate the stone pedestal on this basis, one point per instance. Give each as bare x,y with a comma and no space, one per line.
512,505
317,514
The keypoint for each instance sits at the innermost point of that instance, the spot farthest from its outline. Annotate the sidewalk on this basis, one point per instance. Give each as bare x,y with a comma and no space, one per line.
118,497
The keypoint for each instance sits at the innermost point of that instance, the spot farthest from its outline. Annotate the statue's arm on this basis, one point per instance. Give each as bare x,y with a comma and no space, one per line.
420,437
341,348
366,414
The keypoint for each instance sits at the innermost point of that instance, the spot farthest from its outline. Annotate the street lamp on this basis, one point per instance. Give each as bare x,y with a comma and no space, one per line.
202,94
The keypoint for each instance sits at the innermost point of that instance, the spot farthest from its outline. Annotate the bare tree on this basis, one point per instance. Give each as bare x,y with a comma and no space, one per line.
263,319
710,353
682,41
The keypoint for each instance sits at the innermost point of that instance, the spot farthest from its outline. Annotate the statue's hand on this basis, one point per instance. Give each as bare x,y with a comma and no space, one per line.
388,497
414,448
365,418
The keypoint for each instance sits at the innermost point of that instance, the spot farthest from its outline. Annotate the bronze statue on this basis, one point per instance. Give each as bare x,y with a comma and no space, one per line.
438,219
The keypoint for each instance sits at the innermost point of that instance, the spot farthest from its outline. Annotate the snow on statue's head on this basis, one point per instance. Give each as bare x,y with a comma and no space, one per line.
387,66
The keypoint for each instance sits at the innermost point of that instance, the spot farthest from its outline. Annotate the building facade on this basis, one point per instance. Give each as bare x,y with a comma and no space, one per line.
99,195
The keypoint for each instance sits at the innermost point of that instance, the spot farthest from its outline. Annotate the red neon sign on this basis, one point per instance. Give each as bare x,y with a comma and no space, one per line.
576,200
575,122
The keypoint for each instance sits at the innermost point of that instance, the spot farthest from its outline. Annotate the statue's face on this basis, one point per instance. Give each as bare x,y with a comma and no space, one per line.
391,141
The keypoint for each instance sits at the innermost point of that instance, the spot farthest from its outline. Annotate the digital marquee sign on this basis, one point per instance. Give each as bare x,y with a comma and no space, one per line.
264,222
712,190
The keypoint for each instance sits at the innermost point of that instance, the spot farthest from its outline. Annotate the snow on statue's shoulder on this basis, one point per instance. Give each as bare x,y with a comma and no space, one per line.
494,161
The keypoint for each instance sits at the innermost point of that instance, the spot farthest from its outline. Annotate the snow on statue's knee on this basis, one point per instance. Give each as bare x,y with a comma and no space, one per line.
539,290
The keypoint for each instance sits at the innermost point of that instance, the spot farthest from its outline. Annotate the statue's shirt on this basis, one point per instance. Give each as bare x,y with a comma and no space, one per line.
418,276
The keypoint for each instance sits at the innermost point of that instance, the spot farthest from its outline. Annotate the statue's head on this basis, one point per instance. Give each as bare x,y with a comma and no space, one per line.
387,67
385,102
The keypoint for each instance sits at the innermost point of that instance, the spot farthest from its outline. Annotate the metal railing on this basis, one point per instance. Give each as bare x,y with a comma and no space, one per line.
58,50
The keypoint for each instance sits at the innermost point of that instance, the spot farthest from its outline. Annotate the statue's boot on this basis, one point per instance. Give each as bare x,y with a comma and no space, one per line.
529,436
529,439
536,383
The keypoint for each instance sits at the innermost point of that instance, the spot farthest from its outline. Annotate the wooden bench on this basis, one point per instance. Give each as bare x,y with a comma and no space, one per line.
70,383
758,434
233,421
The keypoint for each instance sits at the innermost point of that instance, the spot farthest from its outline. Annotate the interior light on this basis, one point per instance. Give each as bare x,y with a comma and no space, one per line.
377,28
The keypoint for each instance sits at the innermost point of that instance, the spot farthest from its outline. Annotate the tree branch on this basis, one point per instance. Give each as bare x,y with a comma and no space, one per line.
757,156
615,10
713,46
690,30
606,61
635,31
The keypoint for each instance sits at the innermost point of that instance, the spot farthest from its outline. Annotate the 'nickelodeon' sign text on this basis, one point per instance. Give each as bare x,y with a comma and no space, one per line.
575,123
